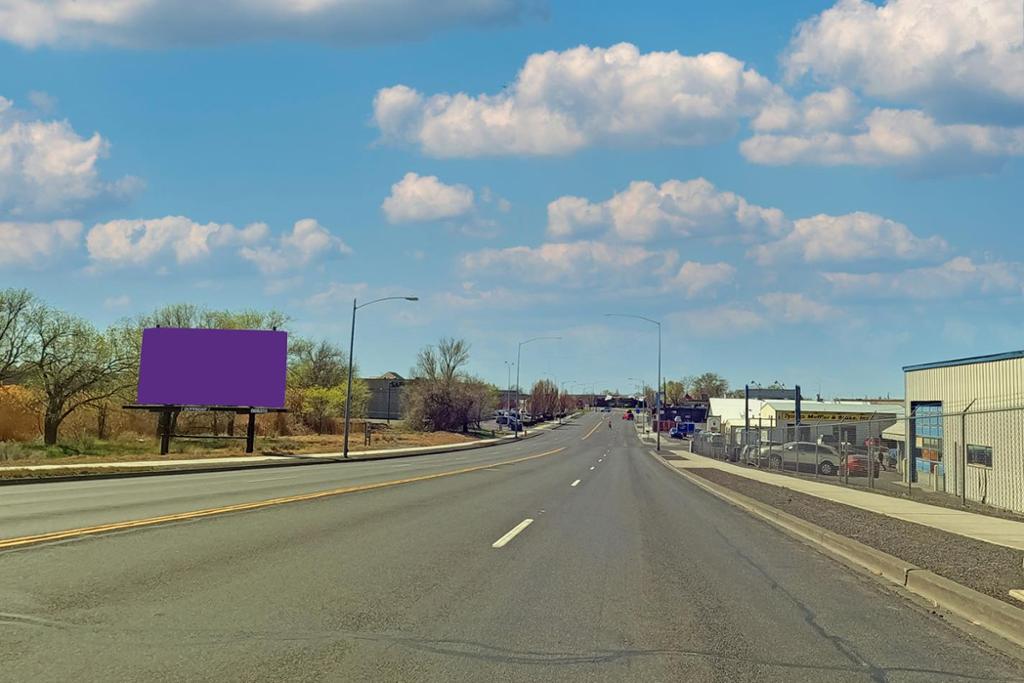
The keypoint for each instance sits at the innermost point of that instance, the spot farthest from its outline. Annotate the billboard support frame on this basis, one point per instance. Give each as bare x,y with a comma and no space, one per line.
165,419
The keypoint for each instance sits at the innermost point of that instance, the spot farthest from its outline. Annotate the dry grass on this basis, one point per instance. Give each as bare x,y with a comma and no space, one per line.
85,450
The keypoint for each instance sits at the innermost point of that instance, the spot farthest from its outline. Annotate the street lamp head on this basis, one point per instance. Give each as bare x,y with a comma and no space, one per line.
412,298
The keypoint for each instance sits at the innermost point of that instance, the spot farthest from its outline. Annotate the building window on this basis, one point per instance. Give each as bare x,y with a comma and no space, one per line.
979,455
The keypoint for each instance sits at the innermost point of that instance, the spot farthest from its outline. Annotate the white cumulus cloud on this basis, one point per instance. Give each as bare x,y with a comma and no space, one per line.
574,264
563,101
960,276
795,307
33,244
850,237
307,242
644,211
140,241
417,198
958,57
695,278
46,168
160,23
721,321
892,137
815,112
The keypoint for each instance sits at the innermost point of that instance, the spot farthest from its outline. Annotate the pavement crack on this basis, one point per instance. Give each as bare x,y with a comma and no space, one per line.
810,617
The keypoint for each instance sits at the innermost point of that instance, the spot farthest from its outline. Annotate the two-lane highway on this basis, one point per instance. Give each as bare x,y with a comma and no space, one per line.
590,561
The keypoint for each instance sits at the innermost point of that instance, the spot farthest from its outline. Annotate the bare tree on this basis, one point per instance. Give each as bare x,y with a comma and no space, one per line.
443,396
15,336
74,365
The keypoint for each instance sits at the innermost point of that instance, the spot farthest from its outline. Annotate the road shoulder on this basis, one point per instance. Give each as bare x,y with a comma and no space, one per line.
977,608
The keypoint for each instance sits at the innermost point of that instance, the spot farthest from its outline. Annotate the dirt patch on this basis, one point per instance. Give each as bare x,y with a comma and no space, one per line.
987,568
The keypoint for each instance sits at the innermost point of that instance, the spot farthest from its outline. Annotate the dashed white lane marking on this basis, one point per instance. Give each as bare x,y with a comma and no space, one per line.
600,459
575,483
500,543
591,468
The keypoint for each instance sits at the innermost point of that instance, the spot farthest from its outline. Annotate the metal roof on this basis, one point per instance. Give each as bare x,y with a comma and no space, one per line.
838,407
972,360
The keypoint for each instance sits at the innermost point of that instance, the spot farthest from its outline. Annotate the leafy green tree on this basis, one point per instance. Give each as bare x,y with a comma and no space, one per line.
317,364
15,336
74,365
675,391
322,403
710,383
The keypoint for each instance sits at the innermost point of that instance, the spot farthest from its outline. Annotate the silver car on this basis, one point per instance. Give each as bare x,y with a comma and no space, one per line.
802,456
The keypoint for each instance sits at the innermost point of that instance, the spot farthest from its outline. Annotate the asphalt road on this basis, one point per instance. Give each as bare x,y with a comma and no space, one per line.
630,574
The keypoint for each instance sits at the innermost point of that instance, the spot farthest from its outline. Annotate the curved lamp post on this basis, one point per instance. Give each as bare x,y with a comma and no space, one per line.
351,344
657,391
519,364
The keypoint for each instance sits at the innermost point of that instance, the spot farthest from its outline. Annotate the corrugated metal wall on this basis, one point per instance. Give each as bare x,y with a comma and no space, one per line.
996,419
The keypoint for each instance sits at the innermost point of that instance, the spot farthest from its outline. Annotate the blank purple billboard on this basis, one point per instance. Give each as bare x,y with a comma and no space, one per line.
213,367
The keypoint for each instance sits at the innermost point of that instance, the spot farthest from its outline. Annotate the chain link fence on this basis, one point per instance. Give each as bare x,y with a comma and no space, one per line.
932,452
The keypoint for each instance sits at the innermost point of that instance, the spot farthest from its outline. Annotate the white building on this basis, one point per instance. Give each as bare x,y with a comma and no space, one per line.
965,432
850,422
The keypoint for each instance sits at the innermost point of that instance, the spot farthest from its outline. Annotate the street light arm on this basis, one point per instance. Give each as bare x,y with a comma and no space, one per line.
630,315
536,339
388,298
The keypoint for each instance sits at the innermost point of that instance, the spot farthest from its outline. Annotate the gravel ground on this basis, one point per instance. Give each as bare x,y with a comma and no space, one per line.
987,568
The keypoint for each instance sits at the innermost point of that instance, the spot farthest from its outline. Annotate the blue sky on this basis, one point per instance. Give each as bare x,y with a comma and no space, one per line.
811,192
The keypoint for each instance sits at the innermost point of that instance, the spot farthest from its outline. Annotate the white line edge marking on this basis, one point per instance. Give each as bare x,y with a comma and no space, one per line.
591,468
575,483
500,543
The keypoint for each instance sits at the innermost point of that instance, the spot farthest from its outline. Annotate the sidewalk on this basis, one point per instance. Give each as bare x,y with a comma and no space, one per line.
994,530
245,460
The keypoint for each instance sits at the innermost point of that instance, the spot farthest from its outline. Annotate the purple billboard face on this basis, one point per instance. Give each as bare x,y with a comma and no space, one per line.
213,367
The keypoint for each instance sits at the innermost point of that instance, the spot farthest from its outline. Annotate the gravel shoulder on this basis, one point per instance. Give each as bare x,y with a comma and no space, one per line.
987,568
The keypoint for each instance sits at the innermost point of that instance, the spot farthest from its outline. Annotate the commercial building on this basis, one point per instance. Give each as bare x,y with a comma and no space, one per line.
965,427
385,401
834,422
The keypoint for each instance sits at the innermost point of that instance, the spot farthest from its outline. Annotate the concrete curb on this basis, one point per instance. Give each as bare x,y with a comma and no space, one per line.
291,461
982,610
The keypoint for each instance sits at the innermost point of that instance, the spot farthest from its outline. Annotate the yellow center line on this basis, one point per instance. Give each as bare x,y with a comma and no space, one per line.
592,430
240,507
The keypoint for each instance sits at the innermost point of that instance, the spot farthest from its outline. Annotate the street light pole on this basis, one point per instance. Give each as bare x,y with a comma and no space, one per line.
351,347
657,391
519,365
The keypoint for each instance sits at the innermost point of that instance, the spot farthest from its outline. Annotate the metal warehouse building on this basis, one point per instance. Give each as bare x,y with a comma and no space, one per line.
965,431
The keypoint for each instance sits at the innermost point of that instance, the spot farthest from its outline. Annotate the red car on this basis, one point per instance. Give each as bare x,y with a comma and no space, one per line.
858,464
628,415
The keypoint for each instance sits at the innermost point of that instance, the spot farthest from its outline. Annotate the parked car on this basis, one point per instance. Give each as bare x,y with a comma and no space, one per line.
677,433
801,456
858,465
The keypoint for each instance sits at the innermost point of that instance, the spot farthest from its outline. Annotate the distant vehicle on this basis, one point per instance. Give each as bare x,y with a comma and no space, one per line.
677,432
801,456
503,419
606,409
628,415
